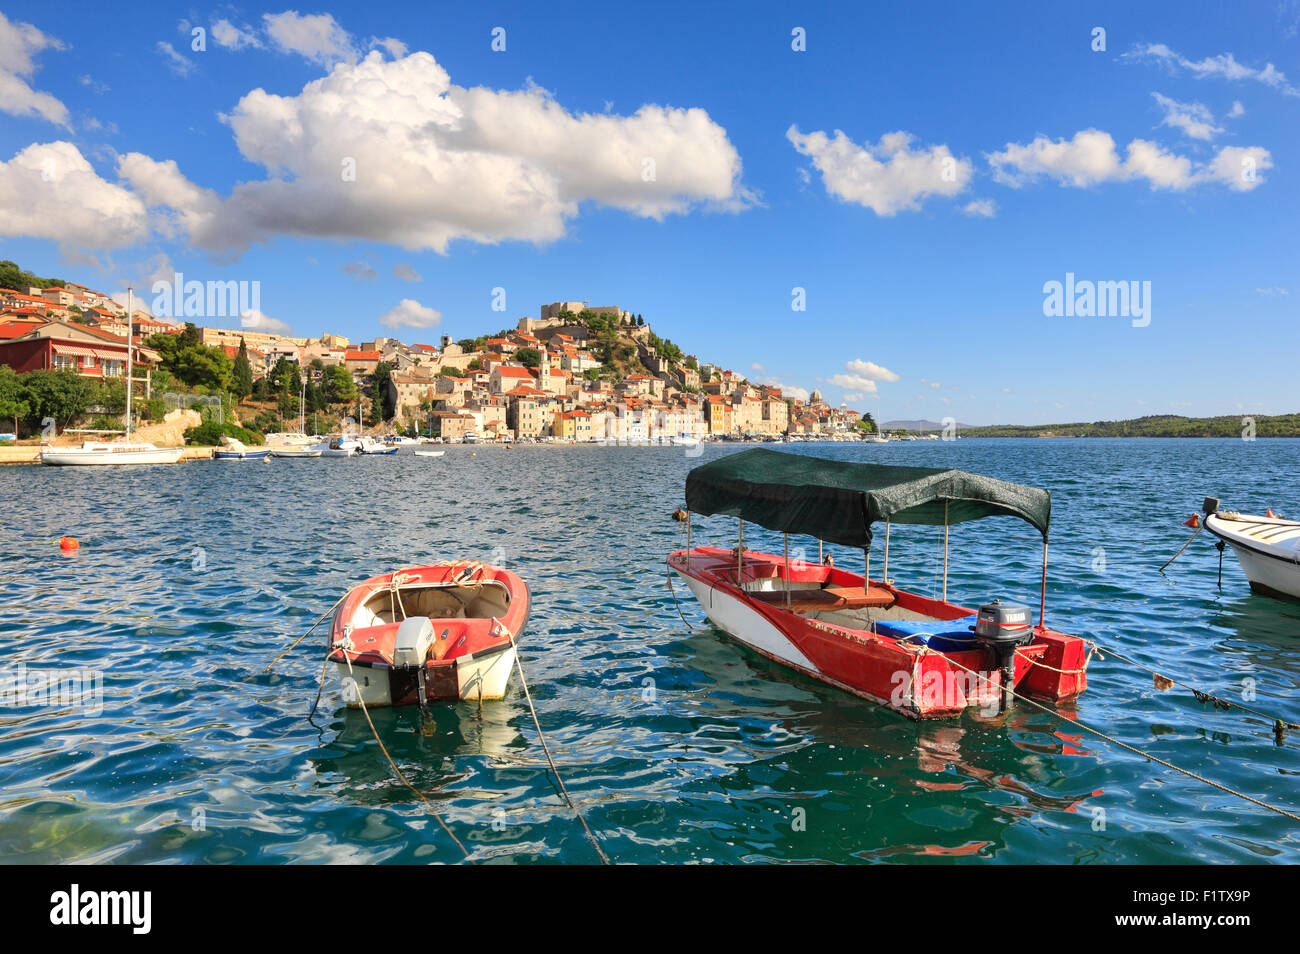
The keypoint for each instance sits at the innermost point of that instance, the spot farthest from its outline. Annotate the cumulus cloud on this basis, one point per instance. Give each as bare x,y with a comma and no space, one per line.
254,320
980,209
19,42
1237,110
405,272
392,151
50,190
1222,66
409,313
318,37
888,177
232,37
1091,158
859,378
1194,119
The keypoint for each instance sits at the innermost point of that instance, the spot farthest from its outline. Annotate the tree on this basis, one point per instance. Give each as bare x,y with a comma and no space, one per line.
868,423
380,407
242,378
340,388
12,396
529,357
61,395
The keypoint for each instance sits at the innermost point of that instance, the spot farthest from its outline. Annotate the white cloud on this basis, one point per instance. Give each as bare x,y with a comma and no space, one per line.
396,48
859,378
179,206
409,313
1091,158
178,64
318,37
18,43
1237,110
435,162
232,37
980,209
932,384
1224,66
50,190
405,272
254,320
889,177
757,367
1194,119
1271,292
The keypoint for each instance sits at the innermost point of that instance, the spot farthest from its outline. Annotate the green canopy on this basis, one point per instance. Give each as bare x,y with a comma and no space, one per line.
838,501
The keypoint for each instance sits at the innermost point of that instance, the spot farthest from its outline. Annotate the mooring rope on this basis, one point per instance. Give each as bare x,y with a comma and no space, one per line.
1279,725
396,771
1124,745
304,635
689,625
541,736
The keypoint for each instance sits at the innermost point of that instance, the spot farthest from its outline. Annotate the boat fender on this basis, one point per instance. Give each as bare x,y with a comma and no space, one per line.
411,645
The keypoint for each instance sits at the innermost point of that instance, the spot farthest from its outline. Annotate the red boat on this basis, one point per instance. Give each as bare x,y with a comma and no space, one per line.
923,657
429,633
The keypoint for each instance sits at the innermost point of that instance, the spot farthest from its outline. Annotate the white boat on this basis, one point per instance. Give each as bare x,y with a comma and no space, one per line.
126,451
92,453
372,447
235,449
1268,549
339,447
289,451
429,453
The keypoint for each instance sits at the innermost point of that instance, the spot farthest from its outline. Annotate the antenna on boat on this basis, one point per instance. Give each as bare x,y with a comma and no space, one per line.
130,307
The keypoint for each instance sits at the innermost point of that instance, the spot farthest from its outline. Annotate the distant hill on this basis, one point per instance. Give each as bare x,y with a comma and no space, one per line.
1158,425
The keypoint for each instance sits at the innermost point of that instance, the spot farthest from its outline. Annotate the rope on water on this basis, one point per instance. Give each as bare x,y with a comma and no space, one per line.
689,625
393,765
322,619
1199,528
541,736
1124,745
1279,725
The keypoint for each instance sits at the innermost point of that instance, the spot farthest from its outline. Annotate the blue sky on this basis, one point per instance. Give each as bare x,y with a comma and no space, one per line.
922,257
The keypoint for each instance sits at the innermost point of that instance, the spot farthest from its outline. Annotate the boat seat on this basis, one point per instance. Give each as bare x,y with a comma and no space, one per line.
942,635
830,598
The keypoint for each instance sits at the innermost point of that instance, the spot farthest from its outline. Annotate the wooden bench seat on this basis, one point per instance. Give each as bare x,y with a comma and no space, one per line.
830,598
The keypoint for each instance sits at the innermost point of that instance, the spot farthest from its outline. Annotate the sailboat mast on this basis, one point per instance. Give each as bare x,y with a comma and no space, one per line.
130,307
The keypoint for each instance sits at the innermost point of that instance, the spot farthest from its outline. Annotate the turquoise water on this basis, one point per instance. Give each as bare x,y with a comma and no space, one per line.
679,745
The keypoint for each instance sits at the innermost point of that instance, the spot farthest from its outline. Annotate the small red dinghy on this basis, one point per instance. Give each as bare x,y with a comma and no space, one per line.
920,656
429,633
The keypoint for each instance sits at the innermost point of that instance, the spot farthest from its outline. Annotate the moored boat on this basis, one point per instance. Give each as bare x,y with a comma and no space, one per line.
92,453
924,657
1268,549
429,633
235,449
375,448
287,451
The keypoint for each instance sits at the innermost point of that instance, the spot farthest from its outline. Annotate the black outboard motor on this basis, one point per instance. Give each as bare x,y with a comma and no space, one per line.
1002,627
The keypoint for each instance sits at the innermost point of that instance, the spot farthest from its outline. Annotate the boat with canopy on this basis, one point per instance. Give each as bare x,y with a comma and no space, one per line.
922,656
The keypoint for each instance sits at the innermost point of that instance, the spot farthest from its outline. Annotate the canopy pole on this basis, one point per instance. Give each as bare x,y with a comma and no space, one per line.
688,541
740,554
866,571
820,559
945,551
885,576
787,572
1042,599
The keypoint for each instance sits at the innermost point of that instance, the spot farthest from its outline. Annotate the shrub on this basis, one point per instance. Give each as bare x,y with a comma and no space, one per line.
209,434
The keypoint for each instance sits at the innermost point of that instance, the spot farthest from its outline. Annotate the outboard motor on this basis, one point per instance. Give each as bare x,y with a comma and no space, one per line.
1002,627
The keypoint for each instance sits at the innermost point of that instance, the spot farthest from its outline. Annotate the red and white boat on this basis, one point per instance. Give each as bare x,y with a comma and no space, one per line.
923,657
429,633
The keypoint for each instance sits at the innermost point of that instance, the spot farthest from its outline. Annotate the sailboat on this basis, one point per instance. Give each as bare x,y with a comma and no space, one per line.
94,453
299,444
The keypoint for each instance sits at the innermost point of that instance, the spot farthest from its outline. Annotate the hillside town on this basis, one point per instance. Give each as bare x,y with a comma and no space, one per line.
575,373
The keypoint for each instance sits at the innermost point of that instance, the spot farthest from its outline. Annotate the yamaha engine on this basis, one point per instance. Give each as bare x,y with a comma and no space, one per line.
1001,627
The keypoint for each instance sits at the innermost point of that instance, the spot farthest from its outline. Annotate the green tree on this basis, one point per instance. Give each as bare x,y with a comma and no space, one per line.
13,404
242,379
529,357
381,408
61,395
340,388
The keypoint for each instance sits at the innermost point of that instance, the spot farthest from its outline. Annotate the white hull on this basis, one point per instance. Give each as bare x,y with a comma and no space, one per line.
747,625
490,671
1267,548
295,452
97,455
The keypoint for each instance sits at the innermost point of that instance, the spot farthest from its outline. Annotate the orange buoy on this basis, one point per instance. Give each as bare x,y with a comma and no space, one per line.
68,543
1268,512
1195,521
